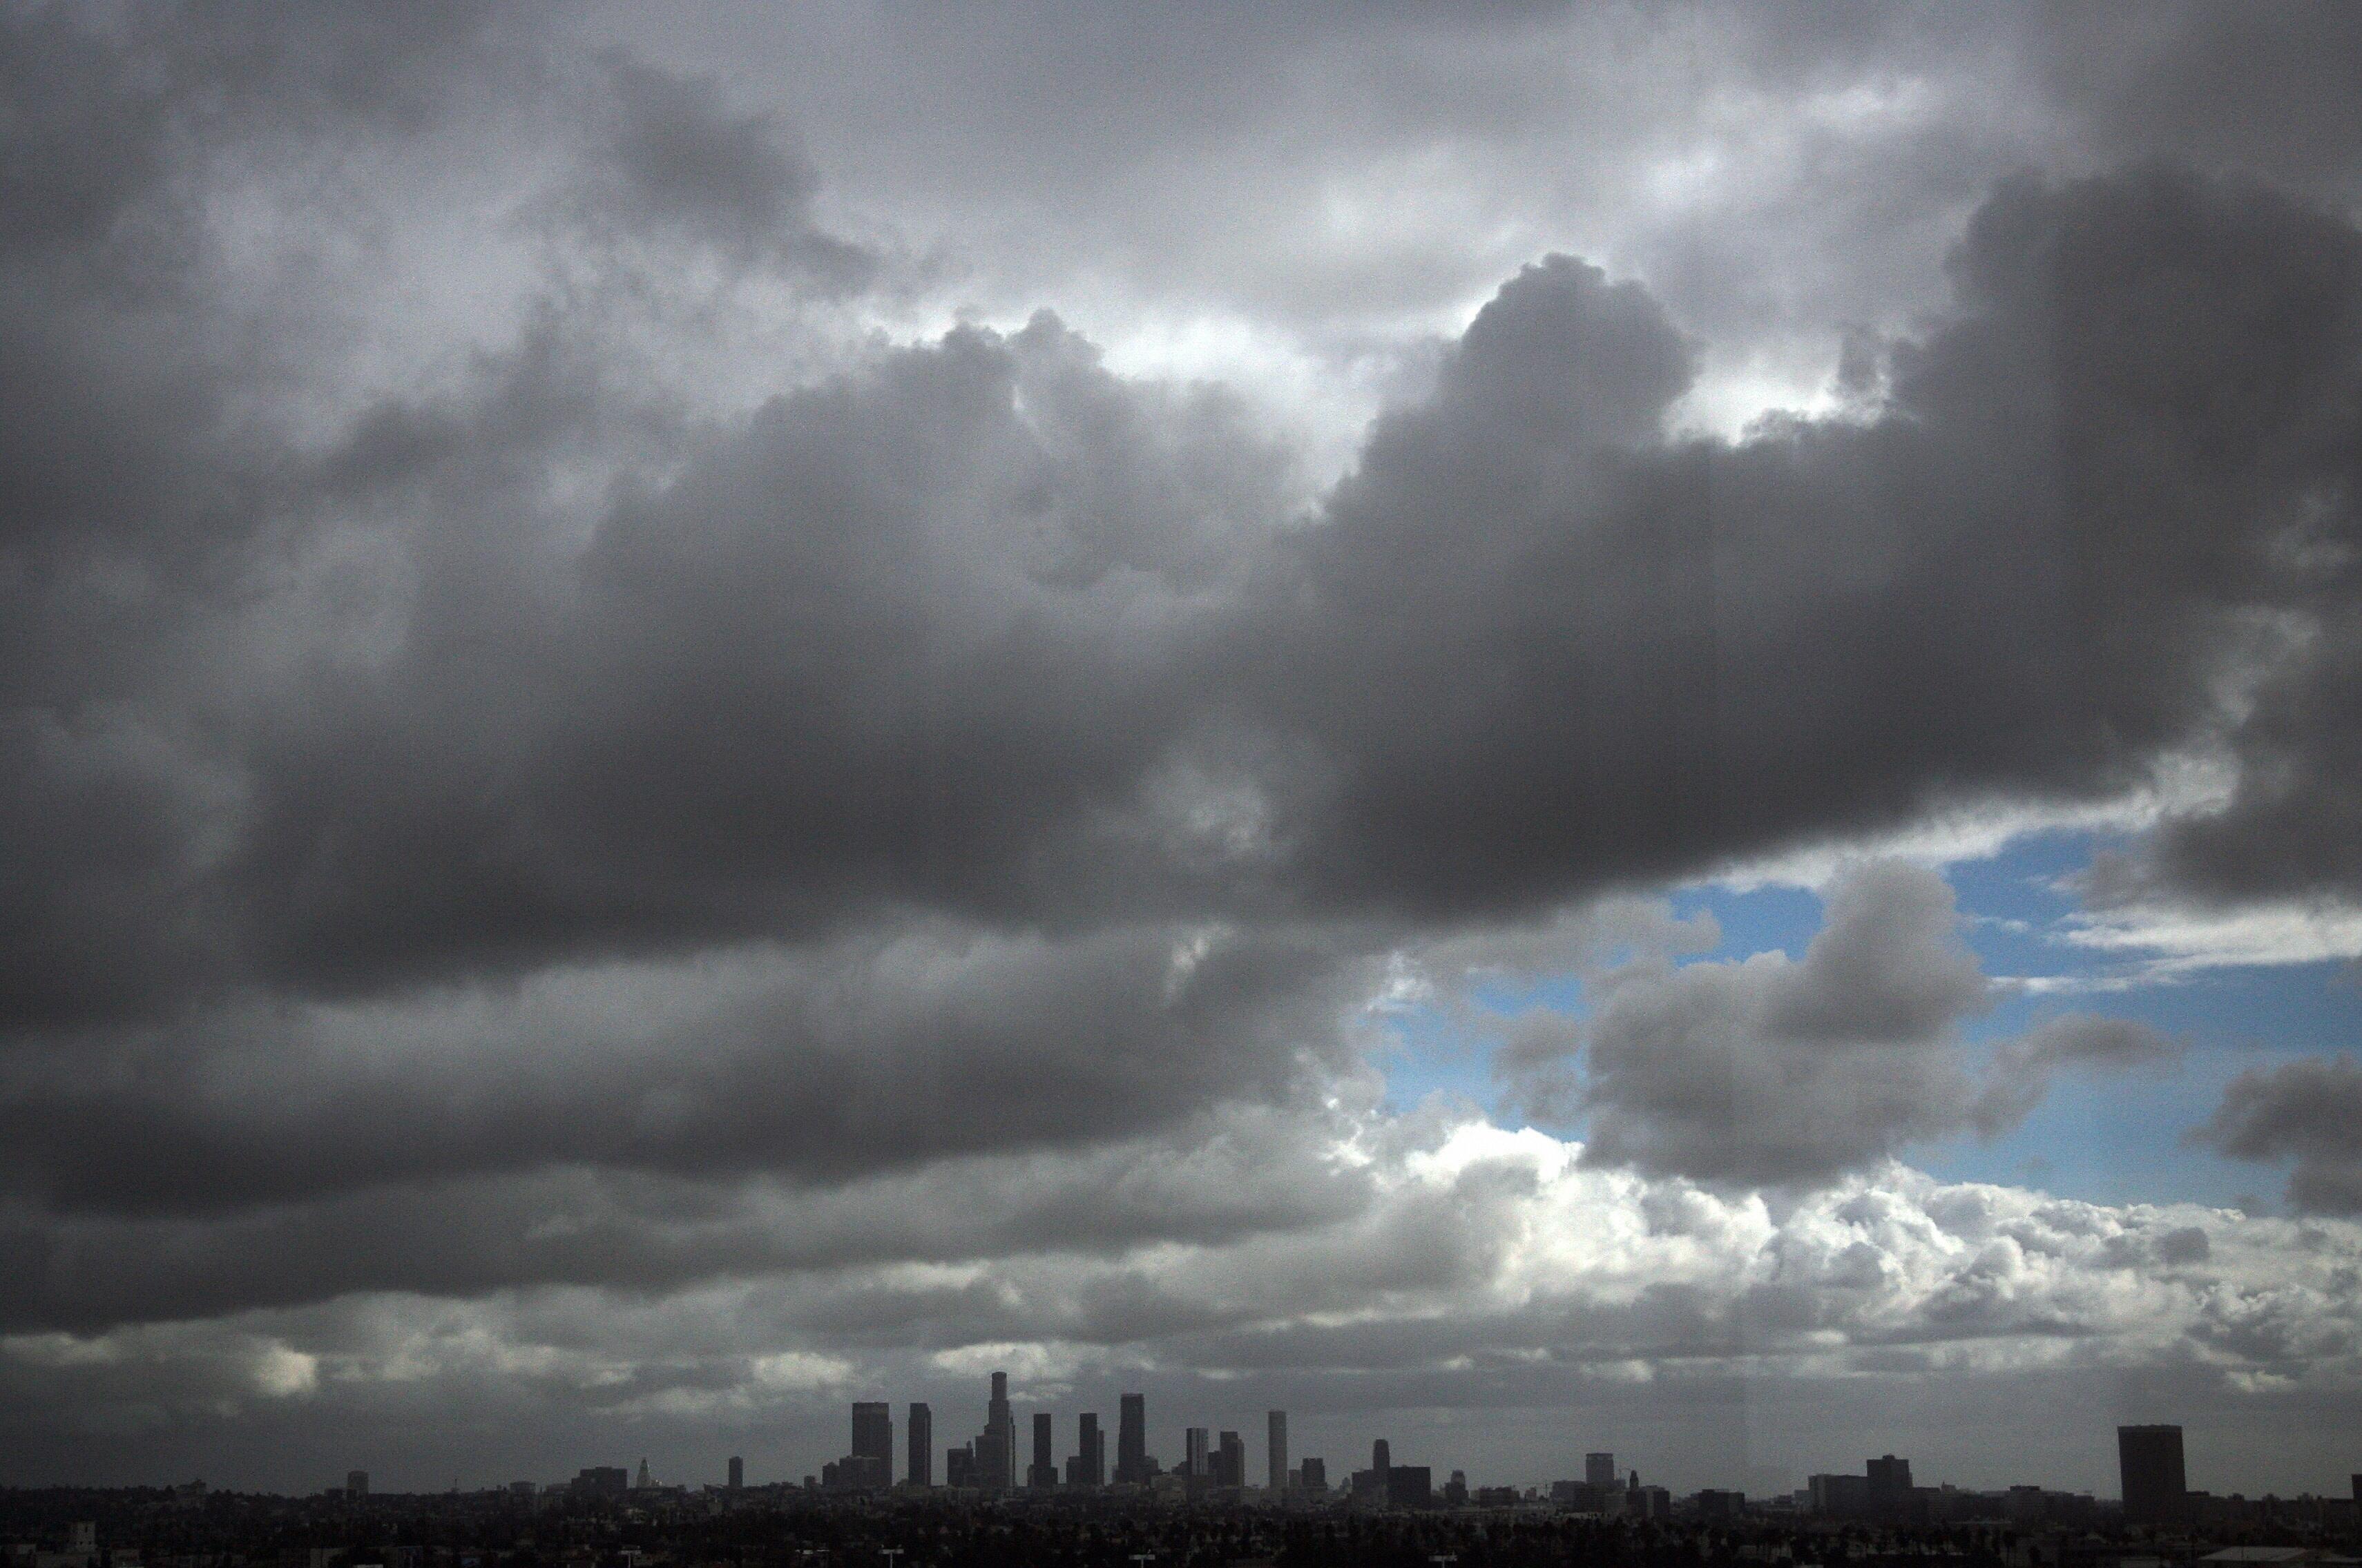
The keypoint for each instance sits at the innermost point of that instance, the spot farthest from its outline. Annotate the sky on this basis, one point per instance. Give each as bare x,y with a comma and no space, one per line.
1530,728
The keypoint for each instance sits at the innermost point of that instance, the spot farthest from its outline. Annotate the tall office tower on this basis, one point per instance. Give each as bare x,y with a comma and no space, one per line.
873,1435
2155,1488
1381,1461
1599,1470
1231,1461
1889,1484
1043,1474
994,1463
1277,1441
1195,1460
357,1484
999,1465
643,1483
923,1445
737,1474
1090,1447
1312,1475
1131,1441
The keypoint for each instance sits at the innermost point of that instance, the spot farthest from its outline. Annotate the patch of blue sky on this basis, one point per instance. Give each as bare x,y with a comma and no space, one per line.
1759,920
2115,1139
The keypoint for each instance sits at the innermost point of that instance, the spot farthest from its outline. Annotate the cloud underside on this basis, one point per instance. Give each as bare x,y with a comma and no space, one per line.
1377,1265
556,751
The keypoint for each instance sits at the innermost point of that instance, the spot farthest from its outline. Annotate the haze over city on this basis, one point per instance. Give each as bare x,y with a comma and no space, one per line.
1538,730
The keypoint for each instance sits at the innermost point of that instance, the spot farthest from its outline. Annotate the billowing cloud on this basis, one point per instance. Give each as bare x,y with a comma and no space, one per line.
1505,1264
2308,1111
1773,1072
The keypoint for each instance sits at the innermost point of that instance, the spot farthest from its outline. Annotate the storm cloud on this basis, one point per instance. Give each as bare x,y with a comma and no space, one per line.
615,679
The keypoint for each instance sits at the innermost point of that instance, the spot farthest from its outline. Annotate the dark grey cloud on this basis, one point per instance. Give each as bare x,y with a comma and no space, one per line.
2307,1112
2019,579
1526,651
890,1051
953,629
2264,90
678,155
982,626
1206,1181
2294,819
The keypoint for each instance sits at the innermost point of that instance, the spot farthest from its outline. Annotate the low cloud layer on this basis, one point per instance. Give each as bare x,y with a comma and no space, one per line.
1507,1267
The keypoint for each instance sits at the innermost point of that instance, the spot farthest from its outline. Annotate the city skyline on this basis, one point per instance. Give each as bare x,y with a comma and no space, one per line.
2150,1465
1526,730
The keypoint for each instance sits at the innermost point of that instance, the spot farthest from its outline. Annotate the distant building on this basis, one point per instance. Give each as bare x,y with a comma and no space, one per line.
921,1471
996,1446
737,1474
1312,1477
1380,1457
1275,1440
357,1484
1088,1465
857,1473
1839,1496
1455,1491
1409,1486
1599,1469
873,1432
1582,1497
2156,1490
602,1481
870,1466
959,1465
1132,1440
1231,1461
1043,1474
1196,1454
1716,1505
1889,1486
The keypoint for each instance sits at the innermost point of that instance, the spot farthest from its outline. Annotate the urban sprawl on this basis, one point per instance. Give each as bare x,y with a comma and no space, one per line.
986,1508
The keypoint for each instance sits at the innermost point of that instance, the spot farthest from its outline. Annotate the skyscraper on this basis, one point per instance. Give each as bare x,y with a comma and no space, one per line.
1599,1469
1043,1474
1277,1442
873,1435
996,1448
922,1446
357,1483
2155,1487
1381,1460
1197,1445
1131,1441
1090,1452
1231,1461
737,1474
